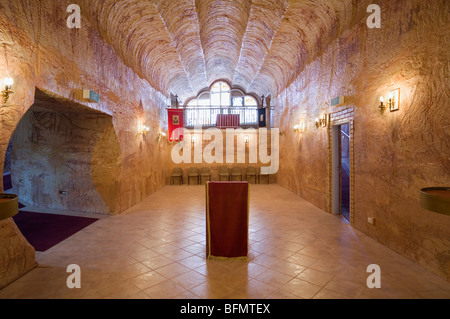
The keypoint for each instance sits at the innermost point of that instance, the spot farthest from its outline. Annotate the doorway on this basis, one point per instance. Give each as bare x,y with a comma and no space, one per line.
341,170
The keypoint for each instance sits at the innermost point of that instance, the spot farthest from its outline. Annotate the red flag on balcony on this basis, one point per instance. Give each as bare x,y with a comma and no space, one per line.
176,121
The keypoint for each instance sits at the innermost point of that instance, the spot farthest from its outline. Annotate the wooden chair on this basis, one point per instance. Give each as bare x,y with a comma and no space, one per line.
193,173
251,173
177,173
224,173
236,174
265,176
205,173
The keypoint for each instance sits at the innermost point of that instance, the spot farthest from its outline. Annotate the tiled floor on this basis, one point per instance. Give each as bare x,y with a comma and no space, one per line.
157,250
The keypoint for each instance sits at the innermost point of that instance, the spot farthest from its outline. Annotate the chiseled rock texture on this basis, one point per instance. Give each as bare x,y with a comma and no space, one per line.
16,255
260,45
66,160
135,53
395,154
38,50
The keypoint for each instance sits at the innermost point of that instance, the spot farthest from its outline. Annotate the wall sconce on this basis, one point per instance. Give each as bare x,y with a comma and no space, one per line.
194,139
247,139
160,136
393,101
382,105
322,122
143,130
300,128
8,82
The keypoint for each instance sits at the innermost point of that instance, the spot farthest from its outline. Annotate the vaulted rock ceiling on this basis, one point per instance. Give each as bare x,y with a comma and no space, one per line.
183,46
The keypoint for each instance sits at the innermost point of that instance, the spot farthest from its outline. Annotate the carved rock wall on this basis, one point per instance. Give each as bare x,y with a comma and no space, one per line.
38,50
16,255
395,154
56,152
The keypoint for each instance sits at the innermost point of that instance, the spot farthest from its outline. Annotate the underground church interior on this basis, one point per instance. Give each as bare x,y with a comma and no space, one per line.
224,149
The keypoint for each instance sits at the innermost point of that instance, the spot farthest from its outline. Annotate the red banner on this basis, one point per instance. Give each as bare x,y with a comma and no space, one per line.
176,124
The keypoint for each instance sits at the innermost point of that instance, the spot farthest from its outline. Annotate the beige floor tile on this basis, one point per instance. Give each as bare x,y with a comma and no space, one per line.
173,270
301,288
259,290
302,260
147,280
157,250
157,262
280,294
186,295
193,262
117,289
190,279
273,278
290,269
166,289
213,290
255,269
178,254
315,277
346,287
129,271
143,254
329,294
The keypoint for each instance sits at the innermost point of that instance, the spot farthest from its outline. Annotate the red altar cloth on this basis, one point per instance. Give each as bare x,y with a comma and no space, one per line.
227,220
228,121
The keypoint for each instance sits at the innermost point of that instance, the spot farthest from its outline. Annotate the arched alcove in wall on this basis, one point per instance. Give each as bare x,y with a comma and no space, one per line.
65,156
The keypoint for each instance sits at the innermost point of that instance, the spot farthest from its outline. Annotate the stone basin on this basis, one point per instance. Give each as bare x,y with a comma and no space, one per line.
436,199
9,206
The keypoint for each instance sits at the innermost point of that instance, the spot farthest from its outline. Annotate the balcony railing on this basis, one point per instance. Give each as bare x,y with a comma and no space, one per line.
208,116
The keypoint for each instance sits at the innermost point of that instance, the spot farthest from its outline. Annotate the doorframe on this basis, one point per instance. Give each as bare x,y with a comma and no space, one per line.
345,116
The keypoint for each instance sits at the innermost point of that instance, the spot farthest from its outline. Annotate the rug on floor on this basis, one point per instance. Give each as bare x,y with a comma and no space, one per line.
44,231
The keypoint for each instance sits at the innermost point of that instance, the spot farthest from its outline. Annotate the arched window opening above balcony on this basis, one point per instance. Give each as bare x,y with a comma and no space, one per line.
221,98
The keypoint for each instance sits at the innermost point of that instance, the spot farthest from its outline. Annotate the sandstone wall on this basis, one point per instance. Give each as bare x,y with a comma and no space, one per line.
16,255
37,49
395,154
53,162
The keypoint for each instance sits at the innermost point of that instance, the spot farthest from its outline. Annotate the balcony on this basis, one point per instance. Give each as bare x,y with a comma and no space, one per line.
207,117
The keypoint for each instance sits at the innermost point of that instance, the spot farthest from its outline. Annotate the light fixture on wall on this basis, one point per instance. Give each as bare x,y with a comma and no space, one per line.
393,102
300,128
8,82
246,139
382,105
194,139
143,130
322,121
160,136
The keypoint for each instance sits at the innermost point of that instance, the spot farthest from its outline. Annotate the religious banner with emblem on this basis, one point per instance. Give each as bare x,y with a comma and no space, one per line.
176,124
